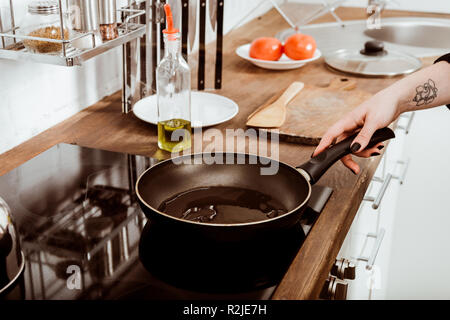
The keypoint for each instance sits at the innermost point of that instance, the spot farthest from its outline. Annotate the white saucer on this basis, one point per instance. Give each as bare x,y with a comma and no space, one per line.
284,63
207,109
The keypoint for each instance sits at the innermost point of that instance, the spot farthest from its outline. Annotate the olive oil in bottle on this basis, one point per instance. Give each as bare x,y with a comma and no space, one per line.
173,89
174,135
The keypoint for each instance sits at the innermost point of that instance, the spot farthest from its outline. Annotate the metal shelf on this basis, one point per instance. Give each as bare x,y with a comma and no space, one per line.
74,56
71,55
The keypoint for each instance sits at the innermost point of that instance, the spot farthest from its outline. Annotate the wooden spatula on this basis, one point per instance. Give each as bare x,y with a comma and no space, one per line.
274,115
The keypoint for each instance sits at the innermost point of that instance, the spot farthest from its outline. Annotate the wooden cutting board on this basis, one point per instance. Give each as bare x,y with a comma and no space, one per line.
315,109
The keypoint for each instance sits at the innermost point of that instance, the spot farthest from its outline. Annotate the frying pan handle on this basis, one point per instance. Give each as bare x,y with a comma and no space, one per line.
318,165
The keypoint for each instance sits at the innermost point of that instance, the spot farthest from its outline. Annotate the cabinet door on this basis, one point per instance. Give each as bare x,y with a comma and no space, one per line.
370,236
396,165
420,258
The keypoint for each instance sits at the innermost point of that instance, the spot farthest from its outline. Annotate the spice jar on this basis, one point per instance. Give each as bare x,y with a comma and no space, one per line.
43,21
108,19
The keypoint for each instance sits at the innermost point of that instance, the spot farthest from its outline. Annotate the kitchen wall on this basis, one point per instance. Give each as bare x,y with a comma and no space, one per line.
35,97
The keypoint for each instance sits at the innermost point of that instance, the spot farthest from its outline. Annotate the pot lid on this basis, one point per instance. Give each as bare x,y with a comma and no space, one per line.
373,60
43,7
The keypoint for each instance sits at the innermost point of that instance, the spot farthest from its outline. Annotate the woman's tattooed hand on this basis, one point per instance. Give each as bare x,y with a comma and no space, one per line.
426,93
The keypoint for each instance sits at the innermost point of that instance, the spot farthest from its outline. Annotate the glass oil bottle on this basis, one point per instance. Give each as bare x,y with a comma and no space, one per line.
173,85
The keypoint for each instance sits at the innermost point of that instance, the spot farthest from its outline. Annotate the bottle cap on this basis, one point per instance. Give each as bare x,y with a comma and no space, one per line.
169,21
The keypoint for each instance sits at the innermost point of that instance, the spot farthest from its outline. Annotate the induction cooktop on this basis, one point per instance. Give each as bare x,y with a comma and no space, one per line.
84,236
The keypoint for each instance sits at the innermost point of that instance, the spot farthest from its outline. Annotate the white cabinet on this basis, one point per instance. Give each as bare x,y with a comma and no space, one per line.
420,257
369,240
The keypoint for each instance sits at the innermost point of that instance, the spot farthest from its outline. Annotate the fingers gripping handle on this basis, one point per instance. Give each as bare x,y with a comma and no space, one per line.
318,165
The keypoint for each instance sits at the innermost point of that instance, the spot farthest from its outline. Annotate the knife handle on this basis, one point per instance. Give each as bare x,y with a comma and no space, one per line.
154,48
162,26
219,44
184,28
201,51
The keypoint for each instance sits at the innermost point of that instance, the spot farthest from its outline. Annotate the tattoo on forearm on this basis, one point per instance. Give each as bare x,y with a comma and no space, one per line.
425,93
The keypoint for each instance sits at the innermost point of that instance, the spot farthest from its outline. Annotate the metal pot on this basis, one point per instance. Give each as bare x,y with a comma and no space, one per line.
12,259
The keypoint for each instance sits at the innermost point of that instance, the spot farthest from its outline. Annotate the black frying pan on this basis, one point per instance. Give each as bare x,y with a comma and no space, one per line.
290,186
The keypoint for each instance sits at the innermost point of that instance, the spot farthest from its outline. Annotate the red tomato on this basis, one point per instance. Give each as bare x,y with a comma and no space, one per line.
266,49
300,46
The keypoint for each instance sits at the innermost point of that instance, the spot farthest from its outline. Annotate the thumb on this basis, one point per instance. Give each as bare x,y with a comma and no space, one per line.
362,139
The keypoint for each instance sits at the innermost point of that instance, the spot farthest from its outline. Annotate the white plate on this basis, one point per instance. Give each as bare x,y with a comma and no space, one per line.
284,63
207,109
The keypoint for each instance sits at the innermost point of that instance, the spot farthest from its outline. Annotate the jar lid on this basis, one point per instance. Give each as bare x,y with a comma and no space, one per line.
373,61
43,7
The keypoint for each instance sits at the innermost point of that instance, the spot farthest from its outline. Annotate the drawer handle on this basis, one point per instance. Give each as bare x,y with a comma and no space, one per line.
373,256
401,177
377,200
408,125
377,179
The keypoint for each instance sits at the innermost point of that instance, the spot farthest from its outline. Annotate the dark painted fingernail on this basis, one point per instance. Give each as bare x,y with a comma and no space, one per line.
380,147
312,154
355,147
375,154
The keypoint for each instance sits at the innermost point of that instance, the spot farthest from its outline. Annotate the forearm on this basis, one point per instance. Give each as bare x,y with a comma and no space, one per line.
427,88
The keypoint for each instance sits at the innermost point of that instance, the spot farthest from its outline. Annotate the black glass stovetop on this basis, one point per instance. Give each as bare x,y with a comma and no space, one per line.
84,236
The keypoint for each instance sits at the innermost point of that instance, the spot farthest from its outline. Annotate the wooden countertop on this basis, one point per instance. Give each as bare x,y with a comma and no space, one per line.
103,126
